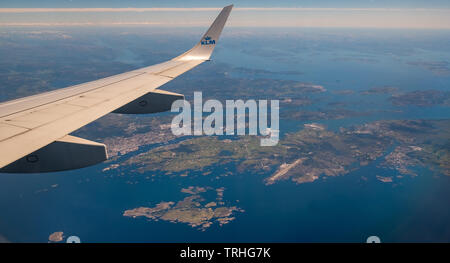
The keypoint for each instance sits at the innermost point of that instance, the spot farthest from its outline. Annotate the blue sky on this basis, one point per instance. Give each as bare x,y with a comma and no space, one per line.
217,3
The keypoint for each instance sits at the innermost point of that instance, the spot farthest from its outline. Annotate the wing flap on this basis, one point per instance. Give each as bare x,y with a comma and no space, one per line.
7,131
34,119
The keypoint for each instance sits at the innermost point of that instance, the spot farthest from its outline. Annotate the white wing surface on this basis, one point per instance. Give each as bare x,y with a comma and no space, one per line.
34,131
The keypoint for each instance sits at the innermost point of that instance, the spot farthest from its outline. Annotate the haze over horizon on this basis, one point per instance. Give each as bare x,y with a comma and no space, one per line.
248,13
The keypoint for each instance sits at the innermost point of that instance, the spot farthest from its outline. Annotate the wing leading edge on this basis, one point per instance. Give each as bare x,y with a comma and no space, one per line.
34,131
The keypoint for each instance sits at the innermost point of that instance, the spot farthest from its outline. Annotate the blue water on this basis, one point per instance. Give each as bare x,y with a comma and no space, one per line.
89,203
340,209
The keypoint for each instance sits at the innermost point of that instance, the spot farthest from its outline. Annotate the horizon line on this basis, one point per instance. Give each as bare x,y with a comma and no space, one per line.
183,25
203,9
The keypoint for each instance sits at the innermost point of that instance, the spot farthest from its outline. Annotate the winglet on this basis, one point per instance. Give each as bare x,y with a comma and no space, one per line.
204,48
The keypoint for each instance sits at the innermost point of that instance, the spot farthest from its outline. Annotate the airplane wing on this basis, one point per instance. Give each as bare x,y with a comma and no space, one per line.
34,131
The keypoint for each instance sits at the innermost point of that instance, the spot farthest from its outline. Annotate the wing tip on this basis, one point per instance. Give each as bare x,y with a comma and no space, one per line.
205,47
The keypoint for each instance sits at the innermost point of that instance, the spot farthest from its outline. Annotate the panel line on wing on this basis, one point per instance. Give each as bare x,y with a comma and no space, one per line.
8,131
72,95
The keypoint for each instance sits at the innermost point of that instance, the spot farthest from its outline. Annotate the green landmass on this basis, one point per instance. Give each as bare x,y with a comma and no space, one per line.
422,98
310,153
194,210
